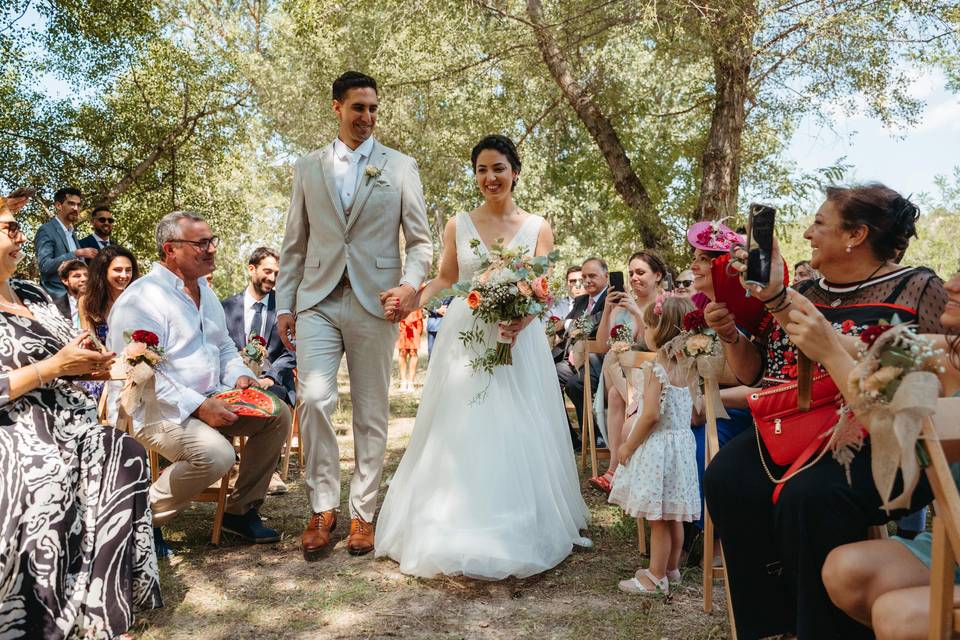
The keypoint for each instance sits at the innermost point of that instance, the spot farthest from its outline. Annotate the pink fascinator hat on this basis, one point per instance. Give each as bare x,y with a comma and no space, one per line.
712,235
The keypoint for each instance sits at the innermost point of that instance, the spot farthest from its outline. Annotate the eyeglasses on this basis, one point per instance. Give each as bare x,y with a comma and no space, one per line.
13,229
203,245
684,283
107,220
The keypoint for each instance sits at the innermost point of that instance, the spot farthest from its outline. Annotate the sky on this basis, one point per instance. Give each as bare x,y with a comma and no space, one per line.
907,160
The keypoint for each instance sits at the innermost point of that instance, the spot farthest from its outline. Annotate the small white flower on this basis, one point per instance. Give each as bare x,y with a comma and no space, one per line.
372,171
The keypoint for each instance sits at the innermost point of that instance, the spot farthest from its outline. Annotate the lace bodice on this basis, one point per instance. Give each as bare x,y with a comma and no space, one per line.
468,261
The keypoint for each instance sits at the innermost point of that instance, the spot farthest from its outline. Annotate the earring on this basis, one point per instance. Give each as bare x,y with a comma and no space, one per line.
849,248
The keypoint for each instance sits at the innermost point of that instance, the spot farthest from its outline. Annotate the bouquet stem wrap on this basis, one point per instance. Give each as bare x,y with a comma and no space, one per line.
894,429
504,349
138,390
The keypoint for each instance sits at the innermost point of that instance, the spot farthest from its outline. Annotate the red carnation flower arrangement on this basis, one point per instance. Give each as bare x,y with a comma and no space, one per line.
146,337
142,346
871,333
254,353
694,321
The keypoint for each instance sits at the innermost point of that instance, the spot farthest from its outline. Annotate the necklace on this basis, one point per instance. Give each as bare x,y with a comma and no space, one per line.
837,302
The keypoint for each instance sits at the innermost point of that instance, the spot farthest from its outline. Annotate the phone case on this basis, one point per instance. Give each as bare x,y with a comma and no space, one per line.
727,289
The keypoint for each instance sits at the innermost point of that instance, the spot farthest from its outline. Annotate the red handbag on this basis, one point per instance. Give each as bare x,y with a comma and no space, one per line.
792,437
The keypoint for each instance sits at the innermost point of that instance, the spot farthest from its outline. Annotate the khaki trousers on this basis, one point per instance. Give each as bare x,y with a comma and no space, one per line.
336,326
202,455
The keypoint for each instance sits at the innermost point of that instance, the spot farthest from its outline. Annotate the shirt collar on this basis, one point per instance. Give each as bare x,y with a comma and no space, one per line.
170,278
104,240
249,300
345,153
65,228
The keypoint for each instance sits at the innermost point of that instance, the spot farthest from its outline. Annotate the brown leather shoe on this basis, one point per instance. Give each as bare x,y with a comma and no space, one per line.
360,540
317,534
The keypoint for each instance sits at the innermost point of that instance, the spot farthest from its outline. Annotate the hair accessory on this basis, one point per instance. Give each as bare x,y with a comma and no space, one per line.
712,235
658,304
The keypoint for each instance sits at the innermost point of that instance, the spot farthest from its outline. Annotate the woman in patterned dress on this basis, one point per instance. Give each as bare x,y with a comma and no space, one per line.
76,545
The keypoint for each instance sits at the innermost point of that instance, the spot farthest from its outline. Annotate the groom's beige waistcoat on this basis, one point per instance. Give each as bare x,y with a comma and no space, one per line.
322,241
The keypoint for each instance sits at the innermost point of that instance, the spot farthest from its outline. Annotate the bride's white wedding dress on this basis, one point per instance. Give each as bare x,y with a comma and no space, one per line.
488,489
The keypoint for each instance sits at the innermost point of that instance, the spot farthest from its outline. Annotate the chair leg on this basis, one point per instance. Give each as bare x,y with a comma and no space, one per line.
289,449
941,583
707,562
154,465
221,508
726,588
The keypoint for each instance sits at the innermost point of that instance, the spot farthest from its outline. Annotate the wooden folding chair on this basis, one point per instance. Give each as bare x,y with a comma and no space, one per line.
216,493
944,616
588,437
629,361
294,431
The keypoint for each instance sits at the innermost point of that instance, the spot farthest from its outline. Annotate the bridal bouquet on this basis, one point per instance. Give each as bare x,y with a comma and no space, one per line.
254,353
895,385
696,357
509,285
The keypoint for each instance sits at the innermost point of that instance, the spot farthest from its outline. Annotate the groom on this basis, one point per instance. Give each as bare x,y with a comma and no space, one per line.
340,259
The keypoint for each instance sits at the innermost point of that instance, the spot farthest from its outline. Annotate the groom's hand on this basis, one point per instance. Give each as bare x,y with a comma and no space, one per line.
396,310
287,328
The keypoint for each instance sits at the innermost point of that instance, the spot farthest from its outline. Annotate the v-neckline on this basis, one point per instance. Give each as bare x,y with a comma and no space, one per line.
506,245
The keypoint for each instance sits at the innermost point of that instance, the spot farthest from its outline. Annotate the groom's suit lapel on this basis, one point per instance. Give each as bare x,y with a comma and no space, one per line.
326,166
378,158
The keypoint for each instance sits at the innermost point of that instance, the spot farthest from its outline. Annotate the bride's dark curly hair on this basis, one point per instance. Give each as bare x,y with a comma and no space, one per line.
501,144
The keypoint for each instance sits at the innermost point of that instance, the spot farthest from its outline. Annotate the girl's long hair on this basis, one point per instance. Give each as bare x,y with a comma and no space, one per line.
95,304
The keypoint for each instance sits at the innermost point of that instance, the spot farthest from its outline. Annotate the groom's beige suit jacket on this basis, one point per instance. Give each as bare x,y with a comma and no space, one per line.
322,241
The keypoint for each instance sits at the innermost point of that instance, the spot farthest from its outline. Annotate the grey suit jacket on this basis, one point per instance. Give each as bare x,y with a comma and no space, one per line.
320,243
52,251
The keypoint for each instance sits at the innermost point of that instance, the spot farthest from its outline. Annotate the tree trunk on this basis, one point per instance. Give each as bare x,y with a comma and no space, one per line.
720,164
653,232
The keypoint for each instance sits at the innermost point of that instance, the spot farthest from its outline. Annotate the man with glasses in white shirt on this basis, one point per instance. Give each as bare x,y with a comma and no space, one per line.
174,302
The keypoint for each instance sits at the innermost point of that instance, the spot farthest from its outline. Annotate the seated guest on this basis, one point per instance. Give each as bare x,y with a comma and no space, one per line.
76,557
56,241
73,275
803,271
647,274
563,305
594,271
683,283
254,312
884,584
775,551
110,272
434,319
174,302
102,221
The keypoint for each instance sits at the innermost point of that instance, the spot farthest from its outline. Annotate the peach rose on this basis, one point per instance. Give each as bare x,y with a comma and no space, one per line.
474,299
524,288
541,288
134,350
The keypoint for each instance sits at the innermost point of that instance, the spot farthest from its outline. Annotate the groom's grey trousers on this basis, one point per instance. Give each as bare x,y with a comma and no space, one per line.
337,325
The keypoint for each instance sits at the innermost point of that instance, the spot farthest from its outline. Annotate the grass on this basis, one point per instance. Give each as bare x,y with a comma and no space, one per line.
241,591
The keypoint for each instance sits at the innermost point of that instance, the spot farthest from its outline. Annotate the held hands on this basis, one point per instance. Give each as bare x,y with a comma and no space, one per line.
74,359
216,413
398,302
739,263
514,327
287,328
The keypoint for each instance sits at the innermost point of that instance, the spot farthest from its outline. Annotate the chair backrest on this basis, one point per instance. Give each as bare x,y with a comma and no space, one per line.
115,374
635,359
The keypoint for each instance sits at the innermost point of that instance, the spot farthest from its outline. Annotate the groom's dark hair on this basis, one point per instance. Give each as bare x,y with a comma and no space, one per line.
351,80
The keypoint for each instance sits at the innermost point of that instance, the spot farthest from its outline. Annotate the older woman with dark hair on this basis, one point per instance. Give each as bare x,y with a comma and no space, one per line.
775,547
76,545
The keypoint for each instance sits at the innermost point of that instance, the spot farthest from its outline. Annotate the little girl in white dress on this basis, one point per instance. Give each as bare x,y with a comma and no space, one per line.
657,477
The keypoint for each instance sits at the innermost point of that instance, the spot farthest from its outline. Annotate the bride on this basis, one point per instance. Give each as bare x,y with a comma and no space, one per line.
487,489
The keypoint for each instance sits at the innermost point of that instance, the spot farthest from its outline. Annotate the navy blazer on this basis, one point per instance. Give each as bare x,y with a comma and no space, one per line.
282,360
52,251
90,242
579,308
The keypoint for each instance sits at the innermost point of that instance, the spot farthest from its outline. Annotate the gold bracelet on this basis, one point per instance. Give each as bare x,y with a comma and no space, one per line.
36,370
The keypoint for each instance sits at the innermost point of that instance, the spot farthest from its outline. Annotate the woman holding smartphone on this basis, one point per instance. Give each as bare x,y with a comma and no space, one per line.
76,543
775,551
647,272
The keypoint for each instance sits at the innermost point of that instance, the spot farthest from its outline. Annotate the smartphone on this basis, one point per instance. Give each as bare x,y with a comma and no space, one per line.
760,244
22,192
616,281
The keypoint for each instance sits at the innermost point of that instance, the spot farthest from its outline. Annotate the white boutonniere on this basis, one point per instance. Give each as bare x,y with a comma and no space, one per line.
372,171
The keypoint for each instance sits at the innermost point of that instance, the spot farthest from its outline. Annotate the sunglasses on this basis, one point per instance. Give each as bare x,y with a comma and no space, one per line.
686,284
203,245
110,220
13,229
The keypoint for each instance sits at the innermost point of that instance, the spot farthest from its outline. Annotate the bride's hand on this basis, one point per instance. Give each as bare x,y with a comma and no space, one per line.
512,328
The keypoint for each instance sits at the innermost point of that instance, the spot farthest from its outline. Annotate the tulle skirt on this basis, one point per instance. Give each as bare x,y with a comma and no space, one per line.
487,487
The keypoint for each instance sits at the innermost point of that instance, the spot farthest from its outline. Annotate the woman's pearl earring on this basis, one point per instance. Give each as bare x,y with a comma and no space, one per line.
849,248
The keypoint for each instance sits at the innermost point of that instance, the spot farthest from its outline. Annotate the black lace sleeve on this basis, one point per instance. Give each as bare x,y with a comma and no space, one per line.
931,301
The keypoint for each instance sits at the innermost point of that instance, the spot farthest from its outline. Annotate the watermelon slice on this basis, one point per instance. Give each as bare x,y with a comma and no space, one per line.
251,401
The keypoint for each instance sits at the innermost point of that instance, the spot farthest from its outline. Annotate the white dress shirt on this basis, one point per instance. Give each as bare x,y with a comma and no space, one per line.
74,311
348,166
100,241
71,243
248,313
199,355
